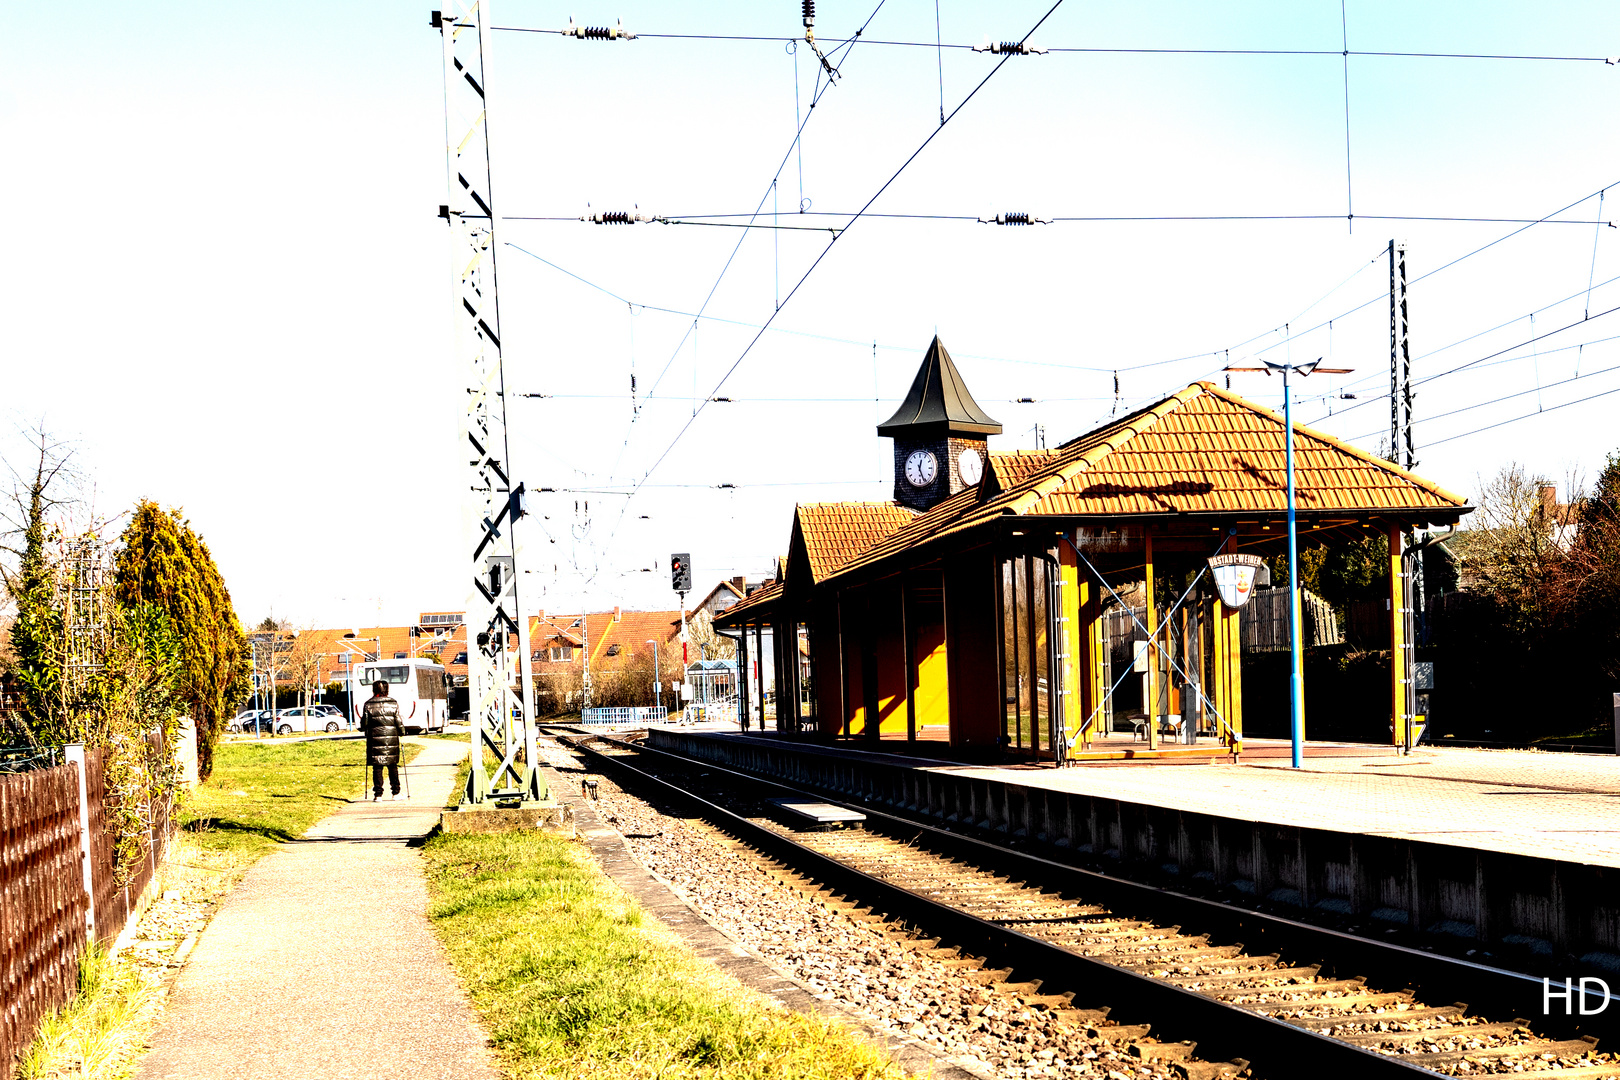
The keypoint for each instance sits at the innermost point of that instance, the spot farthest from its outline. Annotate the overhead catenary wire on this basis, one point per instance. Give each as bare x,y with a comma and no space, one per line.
798,136
1349,190
1102,49
1533,340
834,242
1526,416
1373,398
716,219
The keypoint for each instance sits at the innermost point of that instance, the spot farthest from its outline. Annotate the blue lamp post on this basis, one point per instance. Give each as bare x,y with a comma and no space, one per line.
1296,668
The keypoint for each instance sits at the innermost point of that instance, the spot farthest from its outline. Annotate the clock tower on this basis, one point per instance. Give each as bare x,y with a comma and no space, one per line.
940,435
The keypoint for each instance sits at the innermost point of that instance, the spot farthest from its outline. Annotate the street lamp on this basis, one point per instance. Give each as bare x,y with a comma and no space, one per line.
354,635
658,675
1296,670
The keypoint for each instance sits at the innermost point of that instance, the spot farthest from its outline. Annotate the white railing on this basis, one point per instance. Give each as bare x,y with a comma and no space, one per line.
641,714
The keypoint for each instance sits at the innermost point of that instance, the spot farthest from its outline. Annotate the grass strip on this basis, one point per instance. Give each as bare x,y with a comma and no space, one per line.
91,1035
573,980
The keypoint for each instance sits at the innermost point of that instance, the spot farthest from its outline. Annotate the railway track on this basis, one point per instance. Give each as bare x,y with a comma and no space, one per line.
1167,974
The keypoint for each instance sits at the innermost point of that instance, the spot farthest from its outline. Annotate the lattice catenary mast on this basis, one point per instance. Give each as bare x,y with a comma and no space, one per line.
493,502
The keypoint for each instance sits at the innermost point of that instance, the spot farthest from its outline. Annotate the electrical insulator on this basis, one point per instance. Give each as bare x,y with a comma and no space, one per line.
598,33
617,217
1001,48
810,21
1016,217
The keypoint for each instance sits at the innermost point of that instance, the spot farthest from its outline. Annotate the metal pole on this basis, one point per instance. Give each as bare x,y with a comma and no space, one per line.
1394,363
493,500
658,676
1409,457
1296,672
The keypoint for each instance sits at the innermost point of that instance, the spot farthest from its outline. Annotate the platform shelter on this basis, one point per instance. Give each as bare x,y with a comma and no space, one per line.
979,614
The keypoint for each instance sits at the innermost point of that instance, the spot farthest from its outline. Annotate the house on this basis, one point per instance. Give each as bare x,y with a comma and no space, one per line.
973,608
561,643
726,593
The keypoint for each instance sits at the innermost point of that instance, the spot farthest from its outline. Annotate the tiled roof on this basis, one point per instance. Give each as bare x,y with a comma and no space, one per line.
1015,468
759,600
629,630
836,532
1203,450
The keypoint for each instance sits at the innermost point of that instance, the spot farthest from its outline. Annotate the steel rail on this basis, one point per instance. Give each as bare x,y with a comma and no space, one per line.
1272,1047
1438,977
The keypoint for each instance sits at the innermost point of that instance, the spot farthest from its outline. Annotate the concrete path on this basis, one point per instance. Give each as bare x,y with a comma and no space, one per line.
321,964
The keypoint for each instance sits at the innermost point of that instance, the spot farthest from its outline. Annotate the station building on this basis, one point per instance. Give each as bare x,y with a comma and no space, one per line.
984,606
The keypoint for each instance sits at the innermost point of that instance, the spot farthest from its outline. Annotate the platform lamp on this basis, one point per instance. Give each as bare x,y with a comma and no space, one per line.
1296,669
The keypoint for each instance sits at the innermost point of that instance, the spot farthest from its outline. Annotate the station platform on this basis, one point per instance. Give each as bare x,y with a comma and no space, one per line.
1523,802
1516,848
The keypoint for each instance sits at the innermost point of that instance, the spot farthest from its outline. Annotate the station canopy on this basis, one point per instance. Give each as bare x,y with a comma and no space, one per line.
1204,458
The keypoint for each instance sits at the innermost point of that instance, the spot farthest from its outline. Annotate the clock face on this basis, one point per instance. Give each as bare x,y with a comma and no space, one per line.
921,468
970,466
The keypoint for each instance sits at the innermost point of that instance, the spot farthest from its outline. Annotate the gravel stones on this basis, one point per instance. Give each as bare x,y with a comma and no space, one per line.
864,966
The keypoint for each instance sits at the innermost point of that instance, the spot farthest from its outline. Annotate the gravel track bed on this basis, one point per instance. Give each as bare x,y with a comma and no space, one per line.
889,984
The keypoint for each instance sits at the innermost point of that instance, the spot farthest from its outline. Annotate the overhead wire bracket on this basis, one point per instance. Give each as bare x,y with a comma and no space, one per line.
1015,217
618,217
1004,48
810,40
598,33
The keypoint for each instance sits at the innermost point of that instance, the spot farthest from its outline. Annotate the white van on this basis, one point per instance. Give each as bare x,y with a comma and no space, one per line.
420,687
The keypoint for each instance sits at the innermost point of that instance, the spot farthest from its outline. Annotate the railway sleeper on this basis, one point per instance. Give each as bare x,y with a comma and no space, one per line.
1574,1072
1144,962
1220,965
1329,1024
1319,986
1025,990
1057,1003
1081,1018
1562,1048
1210,1070
1145,950
986,976
1422,1035
963,963
1119,1033
1244,977
1348,1001
1163,1052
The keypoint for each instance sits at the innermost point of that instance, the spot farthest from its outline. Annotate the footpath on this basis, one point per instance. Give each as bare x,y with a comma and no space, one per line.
321,964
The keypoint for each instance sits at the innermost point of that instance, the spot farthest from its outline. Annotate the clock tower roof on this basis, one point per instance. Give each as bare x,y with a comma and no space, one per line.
938,403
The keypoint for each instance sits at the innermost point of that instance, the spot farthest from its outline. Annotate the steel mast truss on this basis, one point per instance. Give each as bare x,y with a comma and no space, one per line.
493,502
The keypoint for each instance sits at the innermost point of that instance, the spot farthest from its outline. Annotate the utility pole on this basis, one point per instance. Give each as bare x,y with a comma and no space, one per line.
1402,452
494,502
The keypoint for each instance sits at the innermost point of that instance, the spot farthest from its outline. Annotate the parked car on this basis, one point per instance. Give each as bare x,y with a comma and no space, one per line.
256,722
312,718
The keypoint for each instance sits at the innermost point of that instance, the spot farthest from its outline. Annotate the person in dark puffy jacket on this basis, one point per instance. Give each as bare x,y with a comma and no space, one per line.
379,719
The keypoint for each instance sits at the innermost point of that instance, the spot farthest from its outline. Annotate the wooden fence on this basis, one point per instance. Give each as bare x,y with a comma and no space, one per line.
43,903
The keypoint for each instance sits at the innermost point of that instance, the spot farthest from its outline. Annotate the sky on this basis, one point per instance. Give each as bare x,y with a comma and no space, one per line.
226,286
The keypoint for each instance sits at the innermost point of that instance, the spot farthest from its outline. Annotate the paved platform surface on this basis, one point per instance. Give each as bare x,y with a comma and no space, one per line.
321,964
1550,805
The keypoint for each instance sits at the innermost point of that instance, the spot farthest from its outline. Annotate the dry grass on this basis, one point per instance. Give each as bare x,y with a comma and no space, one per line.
97,1035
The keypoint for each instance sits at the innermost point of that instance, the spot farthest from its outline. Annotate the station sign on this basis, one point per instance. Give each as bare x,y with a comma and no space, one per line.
1234,577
